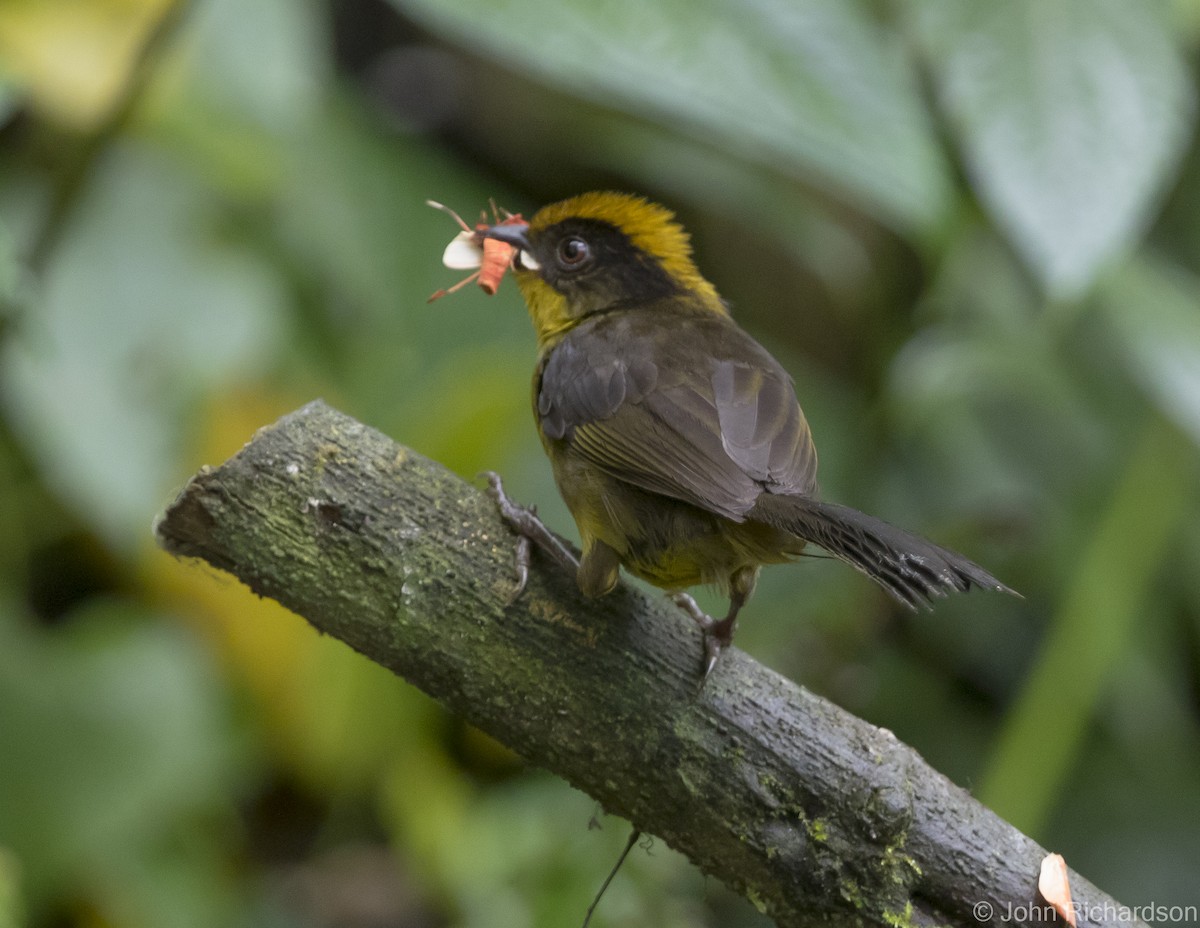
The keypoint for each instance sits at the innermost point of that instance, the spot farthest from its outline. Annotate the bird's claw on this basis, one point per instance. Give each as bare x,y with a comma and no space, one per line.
718,635
516,517
521,558
525,524
685,602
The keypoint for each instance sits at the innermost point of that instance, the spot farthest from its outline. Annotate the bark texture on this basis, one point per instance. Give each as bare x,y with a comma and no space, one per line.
815,815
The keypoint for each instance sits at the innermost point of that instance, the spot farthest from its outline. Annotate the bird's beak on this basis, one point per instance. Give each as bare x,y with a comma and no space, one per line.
514,233
517,235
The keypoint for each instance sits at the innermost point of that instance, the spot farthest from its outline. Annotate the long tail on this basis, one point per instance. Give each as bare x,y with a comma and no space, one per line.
912,569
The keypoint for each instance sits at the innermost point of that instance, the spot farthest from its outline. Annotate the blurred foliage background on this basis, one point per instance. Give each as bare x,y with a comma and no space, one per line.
970,229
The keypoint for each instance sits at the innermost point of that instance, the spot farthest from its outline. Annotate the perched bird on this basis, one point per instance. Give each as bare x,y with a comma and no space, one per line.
676,439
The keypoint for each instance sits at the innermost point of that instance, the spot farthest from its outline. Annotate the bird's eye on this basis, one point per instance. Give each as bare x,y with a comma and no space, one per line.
573,251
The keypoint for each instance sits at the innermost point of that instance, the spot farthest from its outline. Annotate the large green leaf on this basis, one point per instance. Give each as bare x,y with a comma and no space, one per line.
812,87
1071,115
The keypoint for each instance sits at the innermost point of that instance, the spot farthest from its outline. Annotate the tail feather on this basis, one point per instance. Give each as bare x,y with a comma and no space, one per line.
910,568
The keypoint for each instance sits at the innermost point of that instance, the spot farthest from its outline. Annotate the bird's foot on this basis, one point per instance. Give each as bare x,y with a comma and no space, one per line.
718,635
529,529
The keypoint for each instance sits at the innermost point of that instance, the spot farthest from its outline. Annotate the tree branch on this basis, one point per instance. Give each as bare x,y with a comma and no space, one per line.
817,816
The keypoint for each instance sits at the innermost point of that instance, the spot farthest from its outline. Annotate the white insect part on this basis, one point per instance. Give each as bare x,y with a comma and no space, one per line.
464,252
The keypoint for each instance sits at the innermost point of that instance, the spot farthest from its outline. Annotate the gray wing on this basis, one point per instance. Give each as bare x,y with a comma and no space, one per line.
712,431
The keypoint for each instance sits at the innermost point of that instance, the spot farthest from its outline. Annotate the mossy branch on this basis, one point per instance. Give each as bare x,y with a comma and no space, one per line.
815,815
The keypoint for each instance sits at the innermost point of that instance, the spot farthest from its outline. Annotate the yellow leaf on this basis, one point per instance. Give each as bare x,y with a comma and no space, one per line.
73,56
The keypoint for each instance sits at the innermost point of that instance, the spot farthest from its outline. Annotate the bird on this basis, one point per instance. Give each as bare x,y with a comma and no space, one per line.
676,440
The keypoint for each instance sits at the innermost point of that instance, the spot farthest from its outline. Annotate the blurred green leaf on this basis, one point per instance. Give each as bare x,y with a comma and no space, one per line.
807,86
357,718
1046,726
11,274
263,61
984,390
140,311
351,214
532,852
1072,115
1185,17
1155,310
10,98
352,209
112,731
12,914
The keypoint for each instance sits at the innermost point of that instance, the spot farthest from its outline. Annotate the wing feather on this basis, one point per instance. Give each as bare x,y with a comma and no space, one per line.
712,431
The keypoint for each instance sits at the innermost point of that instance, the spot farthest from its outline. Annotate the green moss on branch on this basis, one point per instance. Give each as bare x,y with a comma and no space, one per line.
816,815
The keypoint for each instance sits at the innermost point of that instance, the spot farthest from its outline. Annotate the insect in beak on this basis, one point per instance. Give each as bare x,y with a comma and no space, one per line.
515,234
481,249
